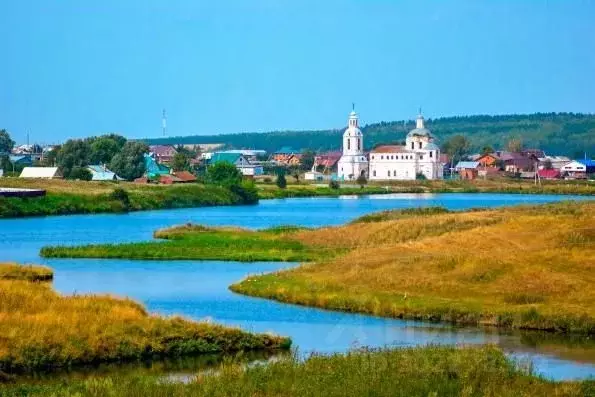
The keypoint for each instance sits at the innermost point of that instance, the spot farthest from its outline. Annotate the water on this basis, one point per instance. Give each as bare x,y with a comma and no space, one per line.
198,289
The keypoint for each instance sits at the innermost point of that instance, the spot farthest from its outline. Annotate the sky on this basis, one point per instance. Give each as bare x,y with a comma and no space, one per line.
74,68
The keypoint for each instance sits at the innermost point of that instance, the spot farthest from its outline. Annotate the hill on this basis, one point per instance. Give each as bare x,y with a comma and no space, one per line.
569,134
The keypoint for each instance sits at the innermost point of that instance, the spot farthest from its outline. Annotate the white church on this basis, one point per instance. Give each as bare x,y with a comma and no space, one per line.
419,156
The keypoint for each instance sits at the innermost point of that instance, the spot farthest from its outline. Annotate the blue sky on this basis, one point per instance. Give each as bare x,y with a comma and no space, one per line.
75,68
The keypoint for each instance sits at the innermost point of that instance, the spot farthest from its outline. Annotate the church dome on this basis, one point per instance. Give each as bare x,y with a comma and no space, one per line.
420,130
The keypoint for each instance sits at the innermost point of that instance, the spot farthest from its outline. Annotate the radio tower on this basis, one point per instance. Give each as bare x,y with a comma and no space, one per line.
164,123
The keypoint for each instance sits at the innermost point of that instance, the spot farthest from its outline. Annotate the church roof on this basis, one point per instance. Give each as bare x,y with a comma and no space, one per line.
420,132
389,149
431,146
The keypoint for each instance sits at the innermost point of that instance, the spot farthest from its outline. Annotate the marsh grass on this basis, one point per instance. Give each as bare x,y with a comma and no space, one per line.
421,371
525,267
41,330
13,271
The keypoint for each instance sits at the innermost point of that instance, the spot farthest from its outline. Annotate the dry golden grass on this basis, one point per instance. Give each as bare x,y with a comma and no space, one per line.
526,267
40,329
13,271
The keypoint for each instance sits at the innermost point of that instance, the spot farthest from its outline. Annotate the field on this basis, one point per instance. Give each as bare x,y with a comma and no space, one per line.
427,371
520,267
41,330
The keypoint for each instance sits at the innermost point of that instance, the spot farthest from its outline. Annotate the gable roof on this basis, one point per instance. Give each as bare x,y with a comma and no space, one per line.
185,176
467,164
225,156
153,168
41,172
100,173
163,150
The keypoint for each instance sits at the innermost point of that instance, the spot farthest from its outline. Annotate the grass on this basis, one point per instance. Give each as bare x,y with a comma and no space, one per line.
76,197
523,267
41,330
13,271
199,242
427,371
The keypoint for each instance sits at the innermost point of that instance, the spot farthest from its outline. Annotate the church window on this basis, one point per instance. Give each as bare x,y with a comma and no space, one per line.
374,172
359,144
419,145
431,153
372,157
394,172
389,173
381,157
421,157
412,145
348,144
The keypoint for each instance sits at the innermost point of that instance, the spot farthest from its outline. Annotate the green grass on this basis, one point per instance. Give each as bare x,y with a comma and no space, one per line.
199,242
426,371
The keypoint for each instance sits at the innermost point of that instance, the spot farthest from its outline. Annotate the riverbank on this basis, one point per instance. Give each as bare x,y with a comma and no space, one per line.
75,197
43,331
527,267
80,197
426,371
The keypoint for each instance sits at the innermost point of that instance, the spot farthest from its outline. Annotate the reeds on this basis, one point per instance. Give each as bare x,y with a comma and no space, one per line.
13,271
421,371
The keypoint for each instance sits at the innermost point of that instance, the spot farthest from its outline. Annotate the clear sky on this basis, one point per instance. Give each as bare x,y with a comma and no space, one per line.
74,68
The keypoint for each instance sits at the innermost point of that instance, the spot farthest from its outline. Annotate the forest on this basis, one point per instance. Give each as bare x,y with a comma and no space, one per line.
571,134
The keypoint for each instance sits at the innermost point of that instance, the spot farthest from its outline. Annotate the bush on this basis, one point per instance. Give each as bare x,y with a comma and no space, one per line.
80,173
361,181
334,185
281,181
122,196
420,177
223,173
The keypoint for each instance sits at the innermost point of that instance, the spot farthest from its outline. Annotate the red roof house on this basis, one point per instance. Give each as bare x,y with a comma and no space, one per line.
549,174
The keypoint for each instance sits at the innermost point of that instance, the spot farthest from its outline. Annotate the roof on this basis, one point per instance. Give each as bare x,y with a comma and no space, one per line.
154,169
162,150
467,164
185,176
420,132
224,156
40,172
100,173
20,158
549,173
431,146
389,149
327,159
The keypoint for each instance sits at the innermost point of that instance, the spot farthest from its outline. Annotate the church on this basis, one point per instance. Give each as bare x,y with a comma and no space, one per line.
419,156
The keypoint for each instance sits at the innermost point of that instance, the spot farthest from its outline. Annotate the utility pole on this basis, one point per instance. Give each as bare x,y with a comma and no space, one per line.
164,123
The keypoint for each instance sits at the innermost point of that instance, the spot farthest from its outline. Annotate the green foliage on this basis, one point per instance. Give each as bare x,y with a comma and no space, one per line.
514,145
80,173
74,153
223,173
555,133
104,148
307,160
361,181
420,176
6,143
457,147
430,371
130,162
180,162
121,195
281,181
334,185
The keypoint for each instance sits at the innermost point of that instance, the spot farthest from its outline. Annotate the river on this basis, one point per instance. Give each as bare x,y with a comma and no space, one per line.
198,289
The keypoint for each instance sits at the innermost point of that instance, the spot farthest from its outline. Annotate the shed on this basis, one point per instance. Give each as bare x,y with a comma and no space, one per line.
467,169
41,172
101,173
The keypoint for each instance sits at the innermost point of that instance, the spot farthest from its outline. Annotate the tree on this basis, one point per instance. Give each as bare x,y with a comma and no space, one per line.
281,181
334,185
223,173
6,143
487,150
48,159
307,160
457,147
104,148
74,153
180,162
80,173
130,162
361,181
514,145
547,164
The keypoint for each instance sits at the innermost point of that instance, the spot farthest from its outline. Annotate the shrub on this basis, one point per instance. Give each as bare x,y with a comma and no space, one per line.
80,173
281,181
121,195
361,181
334,185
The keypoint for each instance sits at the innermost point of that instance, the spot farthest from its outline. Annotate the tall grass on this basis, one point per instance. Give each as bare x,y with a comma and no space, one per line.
41,330
526,267
13,271
427,371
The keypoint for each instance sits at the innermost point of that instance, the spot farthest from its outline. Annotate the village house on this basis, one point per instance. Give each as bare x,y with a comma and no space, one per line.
287,156
575,170
163,153
237,159
556,162
41,173
467,169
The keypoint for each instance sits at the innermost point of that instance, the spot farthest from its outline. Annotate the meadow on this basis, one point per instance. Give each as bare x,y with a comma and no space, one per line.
42,330
528,267
422,371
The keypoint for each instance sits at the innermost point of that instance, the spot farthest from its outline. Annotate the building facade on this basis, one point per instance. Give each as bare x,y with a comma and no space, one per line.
353,162
419,156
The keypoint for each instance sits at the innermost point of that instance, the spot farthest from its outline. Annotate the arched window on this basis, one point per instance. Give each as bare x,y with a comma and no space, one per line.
381,157
374,172
394,172
359,144
348,144
431,154
389,173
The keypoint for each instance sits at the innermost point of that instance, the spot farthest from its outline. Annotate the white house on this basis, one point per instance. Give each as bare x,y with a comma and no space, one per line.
41,172
574,170
419,156
353,162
